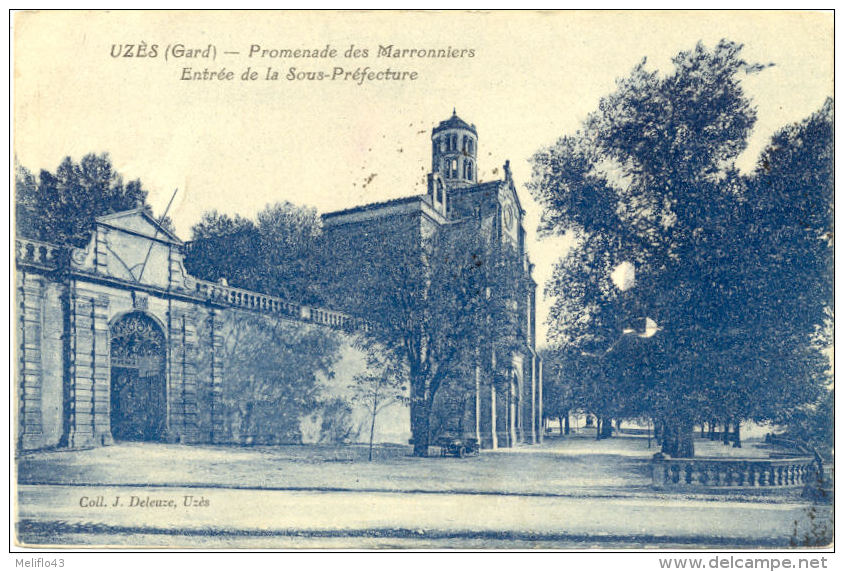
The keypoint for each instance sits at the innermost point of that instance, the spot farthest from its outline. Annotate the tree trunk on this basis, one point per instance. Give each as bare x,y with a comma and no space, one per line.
419,427
568,427
561,425
669,440
711,430
687,440
597,428
371,436
372,428
702,429
737,435
606,428
678,439
246,435
725,438
649,432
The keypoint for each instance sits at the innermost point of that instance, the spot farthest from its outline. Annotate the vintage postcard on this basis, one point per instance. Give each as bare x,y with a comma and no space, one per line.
449,280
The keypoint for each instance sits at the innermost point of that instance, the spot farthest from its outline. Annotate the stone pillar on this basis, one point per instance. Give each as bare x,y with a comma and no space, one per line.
511,391
540,433
523,429
182,355
533,427
478,402
216,381
28,394
88,373
101,250
101,376
492,415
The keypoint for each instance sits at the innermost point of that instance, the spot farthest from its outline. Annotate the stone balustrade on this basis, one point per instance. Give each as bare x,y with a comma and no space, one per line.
249,300
45,255
720,473
28,251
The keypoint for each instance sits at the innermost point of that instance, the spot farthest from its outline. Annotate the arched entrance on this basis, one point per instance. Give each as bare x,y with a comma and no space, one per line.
138,381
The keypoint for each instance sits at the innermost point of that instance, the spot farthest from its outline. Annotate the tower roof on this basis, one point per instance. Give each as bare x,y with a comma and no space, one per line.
454,122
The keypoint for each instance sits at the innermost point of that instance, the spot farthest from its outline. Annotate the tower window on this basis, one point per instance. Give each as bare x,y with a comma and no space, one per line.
439,192
454,168
469,170
470,145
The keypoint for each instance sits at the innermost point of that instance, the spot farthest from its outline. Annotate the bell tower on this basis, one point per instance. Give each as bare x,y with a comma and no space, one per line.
455,151
454,154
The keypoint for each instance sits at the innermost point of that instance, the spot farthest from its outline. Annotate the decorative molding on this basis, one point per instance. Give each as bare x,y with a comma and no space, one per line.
140,301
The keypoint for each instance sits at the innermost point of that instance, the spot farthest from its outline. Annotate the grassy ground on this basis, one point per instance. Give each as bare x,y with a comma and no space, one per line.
575,465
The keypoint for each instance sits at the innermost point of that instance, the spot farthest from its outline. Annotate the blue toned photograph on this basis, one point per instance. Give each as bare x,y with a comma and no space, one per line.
446,281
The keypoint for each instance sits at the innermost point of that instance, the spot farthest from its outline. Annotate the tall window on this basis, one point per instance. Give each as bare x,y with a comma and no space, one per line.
469,170
454,168
470,145
439,192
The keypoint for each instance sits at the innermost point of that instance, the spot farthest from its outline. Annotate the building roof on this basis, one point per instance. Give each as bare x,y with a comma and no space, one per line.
454,122
373,206
485,186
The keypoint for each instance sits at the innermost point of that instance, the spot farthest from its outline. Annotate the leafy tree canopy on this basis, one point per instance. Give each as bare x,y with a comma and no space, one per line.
277,253
738,285
61,207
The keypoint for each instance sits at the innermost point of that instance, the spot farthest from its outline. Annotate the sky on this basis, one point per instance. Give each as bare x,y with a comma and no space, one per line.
235,145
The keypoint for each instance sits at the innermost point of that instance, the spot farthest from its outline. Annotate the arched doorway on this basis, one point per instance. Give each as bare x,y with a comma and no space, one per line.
138,381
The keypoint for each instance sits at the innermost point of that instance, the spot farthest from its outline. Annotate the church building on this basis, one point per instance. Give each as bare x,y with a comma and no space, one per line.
455,197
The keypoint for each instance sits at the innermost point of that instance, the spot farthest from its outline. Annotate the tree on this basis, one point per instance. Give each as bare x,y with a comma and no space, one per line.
430,302
650,181
791,193
558,388
337,426
225,247
290,250
278,253
62,206
272,371
380,386
26,198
